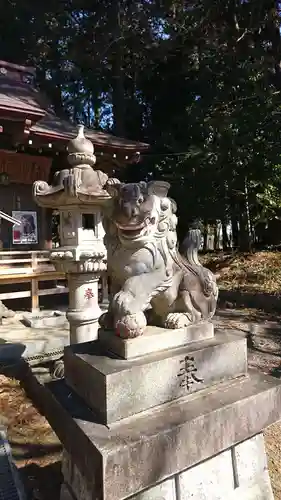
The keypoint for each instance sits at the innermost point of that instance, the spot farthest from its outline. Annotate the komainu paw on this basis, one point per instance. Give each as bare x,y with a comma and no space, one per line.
177,320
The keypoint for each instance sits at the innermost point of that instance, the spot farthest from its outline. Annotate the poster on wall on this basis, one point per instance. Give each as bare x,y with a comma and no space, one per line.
26,233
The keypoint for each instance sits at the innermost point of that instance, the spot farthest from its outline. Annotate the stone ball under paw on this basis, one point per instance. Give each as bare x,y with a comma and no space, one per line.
131,326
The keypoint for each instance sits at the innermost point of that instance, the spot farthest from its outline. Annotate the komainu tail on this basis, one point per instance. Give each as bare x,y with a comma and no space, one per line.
189,249
190,246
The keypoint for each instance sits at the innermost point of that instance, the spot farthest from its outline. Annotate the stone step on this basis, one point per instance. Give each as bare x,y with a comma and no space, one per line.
238,473
116,388
155,339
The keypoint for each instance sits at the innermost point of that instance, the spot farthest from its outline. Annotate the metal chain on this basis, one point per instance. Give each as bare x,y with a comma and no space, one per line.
39,357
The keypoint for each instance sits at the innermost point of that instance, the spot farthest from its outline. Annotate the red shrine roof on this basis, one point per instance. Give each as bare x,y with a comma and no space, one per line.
20,100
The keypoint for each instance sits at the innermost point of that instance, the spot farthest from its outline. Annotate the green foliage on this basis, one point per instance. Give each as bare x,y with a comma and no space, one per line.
202,79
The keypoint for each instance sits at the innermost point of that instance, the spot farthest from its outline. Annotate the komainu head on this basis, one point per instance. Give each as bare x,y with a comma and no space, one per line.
142,210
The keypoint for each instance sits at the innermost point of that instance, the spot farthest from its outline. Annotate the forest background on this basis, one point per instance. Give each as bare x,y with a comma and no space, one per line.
200,81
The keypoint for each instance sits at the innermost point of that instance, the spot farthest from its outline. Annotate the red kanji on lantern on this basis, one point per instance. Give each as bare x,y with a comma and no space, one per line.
89,294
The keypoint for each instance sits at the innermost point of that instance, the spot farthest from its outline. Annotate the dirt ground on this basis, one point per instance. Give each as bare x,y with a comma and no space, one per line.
37,450
264,340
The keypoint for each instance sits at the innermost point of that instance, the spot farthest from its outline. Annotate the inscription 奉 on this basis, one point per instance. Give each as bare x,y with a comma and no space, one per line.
188,373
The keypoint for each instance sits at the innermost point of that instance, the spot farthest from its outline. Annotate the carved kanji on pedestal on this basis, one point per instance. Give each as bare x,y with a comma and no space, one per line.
187,373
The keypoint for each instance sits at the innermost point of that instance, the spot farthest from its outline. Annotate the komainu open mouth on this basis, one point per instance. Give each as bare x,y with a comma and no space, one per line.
135,230
131,231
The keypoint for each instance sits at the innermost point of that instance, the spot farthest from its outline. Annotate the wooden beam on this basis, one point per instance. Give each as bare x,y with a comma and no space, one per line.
34,295
27,293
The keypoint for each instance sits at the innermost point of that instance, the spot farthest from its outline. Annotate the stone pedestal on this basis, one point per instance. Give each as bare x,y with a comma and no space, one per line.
238,473
84,311
179,423
124,388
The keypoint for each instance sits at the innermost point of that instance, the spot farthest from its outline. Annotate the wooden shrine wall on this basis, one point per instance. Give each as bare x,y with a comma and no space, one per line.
22,170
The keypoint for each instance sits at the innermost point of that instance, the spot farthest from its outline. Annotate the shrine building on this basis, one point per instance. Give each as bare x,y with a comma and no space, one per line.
33,142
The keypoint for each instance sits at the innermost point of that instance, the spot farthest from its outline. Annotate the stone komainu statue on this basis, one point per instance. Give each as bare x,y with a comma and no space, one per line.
150,281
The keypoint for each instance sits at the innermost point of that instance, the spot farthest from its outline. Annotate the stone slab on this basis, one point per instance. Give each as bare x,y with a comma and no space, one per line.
211,480
217,478
261,490
128,457
75,482
66,493
34,345
238,473
163,491
46,319
117,388
155,339
249,458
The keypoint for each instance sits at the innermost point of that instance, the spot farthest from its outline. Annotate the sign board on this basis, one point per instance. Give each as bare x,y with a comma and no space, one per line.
27,232
24,169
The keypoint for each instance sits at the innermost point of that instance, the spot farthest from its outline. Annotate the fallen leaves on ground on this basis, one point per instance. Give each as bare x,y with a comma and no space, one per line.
273,448
35,447
251,272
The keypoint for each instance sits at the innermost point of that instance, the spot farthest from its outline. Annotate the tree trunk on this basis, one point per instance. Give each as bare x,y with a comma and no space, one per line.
240,218
216,237
245,233
247,213
235,231
205,236
97,111
225,239
244,236
118,95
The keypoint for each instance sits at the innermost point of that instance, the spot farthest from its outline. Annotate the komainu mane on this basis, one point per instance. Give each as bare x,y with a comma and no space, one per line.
150,281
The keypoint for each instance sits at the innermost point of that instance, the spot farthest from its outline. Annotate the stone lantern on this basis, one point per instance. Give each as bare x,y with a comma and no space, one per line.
79,194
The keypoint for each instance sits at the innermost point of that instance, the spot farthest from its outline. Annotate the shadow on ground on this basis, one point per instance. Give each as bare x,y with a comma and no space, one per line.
276,372
249,314
26,451
42,482
262,329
